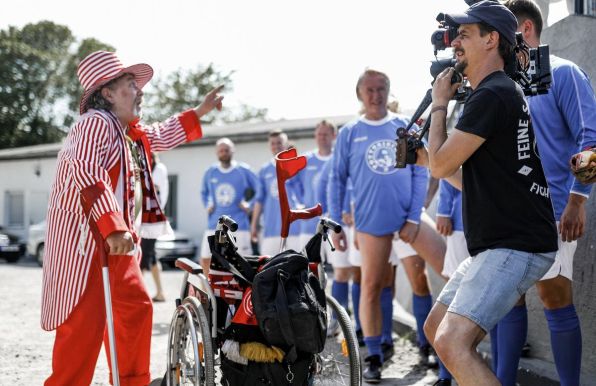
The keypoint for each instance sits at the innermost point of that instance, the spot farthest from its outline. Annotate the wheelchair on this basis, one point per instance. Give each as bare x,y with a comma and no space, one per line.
207,305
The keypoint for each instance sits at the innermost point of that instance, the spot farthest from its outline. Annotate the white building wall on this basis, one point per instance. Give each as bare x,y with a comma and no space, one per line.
190,164
21,176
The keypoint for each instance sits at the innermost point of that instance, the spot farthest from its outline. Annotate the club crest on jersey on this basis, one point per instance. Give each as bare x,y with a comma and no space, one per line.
225,194
380,156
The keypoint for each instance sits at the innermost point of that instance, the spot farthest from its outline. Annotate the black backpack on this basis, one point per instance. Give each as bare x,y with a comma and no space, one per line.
290,305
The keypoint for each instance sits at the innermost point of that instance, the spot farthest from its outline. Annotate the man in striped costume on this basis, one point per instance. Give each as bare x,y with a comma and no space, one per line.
103,187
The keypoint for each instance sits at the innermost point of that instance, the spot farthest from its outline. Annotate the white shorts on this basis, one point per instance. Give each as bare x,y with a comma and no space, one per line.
269,246
242,242
563,264
457,251
399,248
337,259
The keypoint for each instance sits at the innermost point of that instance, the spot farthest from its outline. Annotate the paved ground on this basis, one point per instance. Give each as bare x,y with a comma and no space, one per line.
25,349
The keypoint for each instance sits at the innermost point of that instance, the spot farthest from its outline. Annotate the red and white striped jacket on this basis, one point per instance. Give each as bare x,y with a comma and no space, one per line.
91,166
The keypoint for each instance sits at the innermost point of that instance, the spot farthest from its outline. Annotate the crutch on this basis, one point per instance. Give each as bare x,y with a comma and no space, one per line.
103,259
287,165
88,197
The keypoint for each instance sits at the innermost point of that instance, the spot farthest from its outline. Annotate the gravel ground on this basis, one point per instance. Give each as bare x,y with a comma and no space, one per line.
26,350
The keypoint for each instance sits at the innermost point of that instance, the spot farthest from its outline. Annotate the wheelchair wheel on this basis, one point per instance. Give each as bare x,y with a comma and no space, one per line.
190,348
339,363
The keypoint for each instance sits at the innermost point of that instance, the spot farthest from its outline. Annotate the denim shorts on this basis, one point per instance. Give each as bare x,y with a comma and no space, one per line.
486,286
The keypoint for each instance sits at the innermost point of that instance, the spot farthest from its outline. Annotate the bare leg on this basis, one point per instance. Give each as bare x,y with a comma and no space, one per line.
455,341
430,245
375,256
415,270
556,292
342,275
156,273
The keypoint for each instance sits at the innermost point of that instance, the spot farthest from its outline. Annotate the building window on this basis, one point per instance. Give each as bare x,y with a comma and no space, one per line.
171,208
585,7
15,209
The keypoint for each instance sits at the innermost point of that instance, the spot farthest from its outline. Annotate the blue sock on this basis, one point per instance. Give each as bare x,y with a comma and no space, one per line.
387,315
373,345
356,304
421,306
511,337
443,372
339,290
494,347
566,343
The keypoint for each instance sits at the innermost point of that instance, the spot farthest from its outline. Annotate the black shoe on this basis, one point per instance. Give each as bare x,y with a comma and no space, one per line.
388,351
526,350
443,382
427,357
360,337
372,373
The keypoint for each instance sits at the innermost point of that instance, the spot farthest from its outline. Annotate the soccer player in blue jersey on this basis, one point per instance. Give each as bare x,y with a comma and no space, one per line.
509,222
225,185
386,199
312,186
308,179
565,123
267,203
343,269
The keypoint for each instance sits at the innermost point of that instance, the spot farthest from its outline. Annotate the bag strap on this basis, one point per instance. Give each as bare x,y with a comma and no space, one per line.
283,313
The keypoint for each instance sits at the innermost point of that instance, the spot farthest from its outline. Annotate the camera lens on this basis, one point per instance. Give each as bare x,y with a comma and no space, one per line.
437,39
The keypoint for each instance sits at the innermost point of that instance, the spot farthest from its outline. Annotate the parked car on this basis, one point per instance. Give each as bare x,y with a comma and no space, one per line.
35,241
11,247
167,248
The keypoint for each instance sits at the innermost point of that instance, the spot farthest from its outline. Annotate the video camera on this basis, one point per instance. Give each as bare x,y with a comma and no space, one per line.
529,67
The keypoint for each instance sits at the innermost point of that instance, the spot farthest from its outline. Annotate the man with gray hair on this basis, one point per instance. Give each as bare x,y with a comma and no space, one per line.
227,189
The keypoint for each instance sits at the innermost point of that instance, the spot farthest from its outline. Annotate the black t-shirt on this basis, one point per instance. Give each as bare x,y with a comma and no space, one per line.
506,202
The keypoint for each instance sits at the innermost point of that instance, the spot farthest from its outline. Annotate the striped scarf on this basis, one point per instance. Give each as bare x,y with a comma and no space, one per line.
153,220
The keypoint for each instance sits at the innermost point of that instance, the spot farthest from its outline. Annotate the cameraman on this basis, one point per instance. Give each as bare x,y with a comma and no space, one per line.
508,218
565,123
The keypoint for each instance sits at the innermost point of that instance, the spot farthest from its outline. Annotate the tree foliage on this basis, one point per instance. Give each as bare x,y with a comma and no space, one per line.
40,91
183,89
38,86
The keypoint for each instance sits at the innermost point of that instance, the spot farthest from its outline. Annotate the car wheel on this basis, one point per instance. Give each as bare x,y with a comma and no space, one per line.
39,254
13,258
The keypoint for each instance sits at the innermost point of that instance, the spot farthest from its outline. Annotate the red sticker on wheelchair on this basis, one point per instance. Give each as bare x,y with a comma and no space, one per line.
245,313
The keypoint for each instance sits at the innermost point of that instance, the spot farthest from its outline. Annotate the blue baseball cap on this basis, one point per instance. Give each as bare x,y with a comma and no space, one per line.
490,12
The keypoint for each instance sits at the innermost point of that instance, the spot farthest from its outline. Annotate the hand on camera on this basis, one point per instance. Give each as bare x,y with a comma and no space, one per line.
443,90
422,157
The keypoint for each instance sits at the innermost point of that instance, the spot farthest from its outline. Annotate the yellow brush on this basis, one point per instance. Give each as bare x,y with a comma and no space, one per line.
258,352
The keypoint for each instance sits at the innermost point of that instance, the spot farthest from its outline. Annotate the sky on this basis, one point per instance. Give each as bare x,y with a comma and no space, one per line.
298,59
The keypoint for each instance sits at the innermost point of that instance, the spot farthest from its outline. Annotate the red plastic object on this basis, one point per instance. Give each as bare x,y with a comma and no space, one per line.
287,164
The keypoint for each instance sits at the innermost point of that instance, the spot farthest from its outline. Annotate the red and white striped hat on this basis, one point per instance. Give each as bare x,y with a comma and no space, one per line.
100,67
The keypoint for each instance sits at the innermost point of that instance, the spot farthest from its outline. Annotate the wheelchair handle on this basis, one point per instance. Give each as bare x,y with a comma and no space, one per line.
228,222
330,224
